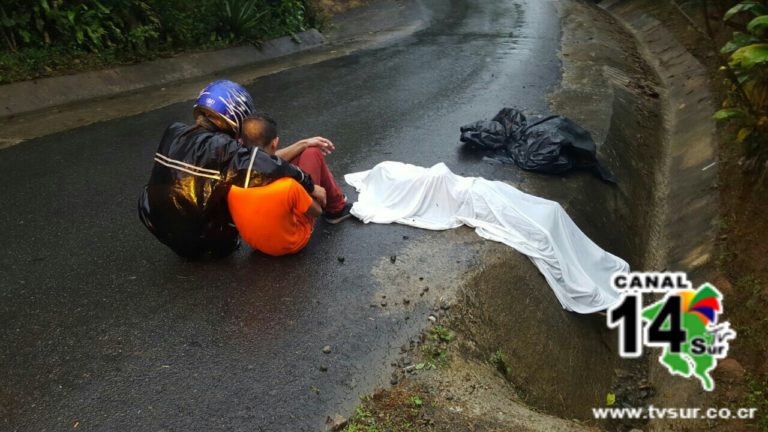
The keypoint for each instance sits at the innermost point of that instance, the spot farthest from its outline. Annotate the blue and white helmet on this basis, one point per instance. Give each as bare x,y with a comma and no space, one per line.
229,100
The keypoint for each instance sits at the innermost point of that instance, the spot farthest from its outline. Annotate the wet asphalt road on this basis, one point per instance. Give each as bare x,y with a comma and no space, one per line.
102,328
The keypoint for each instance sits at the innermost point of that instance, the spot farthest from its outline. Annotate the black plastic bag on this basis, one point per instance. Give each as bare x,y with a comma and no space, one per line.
552,145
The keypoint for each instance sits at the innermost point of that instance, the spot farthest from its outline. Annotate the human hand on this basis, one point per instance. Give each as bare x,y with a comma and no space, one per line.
319,195
324,144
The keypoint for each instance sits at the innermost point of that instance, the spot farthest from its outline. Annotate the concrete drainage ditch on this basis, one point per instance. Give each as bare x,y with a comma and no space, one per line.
556,361
559,362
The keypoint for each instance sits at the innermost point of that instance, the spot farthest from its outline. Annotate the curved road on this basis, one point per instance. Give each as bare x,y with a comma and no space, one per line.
102,328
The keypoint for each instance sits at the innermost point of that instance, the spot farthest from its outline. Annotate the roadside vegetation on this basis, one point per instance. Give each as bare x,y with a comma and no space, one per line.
746,71
398,410
737,33
48,37
407,407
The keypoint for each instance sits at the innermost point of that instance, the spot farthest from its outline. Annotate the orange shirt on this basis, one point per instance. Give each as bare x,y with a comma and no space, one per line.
272,218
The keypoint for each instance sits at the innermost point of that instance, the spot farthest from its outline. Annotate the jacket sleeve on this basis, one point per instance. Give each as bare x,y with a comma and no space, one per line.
254,167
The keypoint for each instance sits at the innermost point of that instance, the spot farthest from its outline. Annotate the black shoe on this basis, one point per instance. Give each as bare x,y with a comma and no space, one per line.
334,218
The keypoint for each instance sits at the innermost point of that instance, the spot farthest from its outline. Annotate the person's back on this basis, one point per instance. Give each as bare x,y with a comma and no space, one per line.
273,219
184,202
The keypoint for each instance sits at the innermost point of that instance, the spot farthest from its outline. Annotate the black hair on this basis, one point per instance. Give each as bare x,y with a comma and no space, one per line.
204,122
266,133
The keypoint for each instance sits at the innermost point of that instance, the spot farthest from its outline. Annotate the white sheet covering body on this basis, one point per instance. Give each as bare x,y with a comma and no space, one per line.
578,270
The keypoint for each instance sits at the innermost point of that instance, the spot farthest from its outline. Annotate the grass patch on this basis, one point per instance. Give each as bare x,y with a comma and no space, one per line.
440,333
435,347
499,361
396,410
757,397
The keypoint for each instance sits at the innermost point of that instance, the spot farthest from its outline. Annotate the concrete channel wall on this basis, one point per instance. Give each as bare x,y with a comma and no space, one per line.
687,225
690,202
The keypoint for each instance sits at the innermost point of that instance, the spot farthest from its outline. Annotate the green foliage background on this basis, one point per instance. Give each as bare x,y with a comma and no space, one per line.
746,71
40,37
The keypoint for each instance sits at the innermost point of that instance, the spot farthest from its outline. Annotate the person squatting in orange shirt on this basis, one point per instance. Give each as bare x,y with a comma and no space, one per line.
278,219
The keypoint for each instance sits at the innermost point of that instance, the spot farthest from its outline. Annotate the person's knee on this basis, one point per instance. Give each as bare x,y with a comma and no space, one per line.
313,153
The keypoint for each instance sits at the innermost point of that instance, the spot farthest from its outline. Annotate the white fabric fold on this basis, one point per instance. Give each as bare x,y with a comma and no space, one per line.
578,271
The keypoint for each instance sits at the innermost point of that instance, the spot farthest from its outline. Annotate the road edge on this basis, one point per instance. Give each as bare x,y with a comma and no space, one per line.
375,23
33,95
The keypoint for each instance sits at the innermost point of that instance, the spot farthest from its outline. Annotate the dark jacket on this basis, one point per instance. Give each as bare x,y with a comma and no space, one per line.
185,202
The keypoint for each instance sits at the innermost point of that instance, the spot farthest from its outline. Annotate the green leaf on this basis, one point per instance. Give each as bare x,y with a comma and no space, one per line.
753,6
27,36
743,78
729,113
101,7
743,134
738,40
610,399
750,56
758,25
94,34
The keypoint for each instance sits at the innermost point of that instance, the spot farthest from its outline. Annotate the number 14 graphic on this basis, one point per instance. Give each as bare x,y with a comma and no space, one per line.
664,330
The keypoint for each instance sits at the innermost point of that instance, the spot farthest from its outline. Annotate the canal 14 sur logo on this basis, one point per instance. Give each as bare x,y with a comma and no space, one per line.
681,320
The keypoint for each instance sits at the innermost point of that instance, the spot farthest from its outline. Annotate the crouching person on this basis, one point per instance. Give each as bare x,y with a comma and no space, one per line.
184,204
278,219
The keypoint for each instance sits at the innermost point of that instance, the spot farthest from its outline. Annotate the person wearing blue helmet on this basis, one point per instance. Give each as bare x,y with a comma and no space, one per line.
184,204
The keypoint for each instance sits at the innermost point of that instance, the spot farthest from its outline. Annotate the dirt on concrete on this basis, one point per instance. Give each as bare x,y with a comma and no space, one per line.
444,402
437,387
